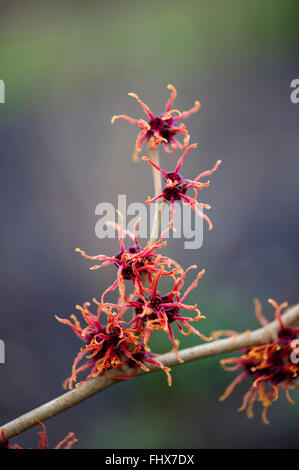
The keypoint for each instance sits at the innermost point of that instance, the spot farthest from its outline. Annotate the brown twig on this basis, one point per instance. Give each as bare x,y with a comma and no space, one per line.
159,205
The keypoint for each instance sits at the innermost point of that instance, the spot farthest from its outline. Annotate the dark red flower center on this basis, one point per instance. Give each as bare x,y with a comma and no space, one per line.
174,193
141,356
156,304
278,367
111,339
127,271
286,335
164,127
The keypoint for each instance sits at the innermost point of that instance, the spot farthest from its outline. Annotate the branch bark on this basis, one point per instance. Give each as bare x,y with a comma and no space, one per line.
159,205
98,384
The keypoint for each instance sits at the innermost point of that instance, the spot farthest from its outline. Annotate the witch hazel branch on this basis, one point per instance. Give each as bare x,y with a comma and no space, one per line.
142,305
115,329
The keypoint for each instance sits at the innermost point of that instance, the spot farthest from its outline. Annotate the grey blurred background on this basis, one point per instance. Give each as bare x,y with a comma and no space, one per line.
68,67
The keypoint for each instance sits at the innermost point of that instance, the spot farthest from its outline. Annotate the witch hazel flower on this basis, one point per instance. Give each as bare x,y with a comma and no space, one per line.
66,443
177,186
132,261
163,128
156,311
108,346
105,345
268,366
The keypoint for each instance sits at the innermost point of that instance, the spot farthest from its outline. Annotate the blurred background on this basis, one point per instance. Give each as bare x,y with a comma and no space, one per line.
68,67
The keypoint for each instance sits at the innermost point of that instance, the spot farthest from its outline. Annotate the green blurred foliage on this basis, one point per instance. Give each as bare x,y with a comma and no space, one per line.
63,45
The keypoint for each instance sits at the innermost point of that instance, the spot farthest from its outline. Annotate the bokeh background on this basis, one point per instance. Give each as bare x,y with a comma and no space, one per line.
68,67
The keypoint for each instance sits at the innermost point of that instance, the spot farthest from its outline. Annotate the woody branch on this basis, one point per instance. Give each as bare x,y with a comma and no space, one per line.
100,383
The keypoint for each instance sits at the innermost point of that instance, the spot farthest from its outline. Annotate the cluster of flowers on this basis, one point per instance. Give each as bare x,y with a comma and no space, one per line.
269,367
120,342
117,335
66,443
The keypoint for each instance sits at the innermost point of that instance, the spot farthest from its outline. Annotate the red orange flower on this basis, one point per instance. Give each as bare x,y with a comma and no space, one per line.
66,443
108,346
156,311
269,366
162,128
133,261
177,186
